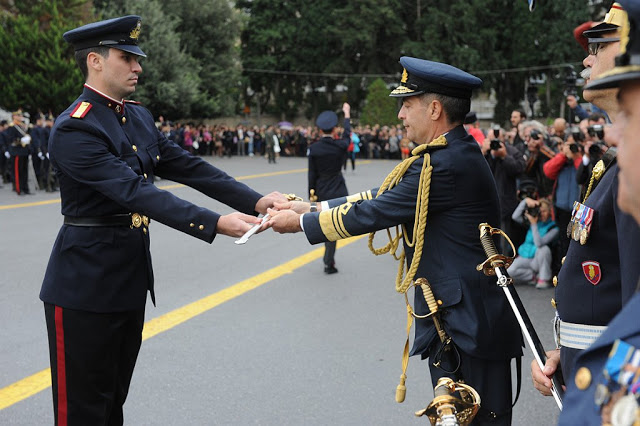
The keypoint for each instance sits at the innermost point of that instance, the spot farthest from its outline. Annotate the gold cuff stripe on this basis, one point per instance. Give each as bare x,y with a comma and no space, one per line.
331,222
354,198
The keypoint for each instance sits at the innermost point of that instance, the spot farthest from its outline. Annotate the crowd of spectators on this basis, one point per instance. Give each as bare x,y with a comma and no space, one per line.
541,171
537,168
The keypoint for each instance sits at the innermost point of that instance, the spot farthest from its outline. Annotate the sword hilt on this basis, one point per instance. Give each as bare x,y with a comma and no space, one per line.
494,259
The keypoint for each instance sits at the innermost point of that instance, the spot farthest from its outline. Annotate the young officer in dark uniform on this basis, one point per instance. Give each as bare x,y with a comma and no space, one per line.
606,387
439,197
600,271
106,152
325,169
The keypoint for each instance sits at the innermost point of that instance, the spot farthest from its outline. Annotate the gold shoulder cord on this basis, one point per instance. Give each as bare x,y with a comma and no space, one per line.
404,282
422,204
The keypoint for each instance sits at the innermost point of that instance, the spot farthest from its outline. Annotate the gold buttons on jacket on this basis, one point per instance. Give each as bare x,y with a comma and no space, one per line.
124,120
158,157
192,225
583,378
563,260
553,303
201,227
135,148
145,175
555,281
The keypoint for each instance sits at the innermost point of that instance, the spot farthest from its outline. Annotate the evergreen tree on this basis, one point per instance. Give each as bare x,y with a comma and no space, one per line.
38,72
379,107
169,84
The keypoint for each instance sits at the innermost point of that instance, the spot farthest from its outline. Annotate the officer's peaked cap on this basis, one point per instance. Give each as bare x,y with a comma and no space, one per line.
613,20
120,33
422,76
327,120
628,61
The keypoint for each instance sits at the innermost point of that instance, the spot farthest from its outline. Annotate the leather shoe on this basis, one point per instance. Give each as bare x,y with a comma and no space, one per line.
330,269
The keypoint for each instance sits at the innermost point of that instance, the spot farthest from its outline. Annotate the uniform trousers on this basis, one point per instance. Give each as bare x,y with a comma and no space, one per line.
526,270
92,358
490,378
20,173
329,253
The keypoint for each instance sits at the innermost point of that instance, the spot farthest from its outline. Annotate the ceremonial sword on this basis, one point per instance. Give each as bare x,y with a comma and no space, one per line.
497,264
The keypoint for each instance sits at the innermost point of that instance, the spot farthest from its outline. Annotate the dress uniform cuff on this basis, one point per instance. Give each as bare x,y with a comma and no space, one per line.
324,205
302,222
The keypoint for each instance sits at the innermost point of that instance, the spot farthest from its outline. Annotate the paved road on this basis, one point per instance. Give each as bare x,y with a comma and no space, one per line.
253,334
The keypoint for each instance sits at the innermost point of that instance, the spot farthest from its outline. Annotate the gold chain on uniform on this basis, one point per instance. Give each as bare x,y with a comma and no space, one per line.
403,282
596,174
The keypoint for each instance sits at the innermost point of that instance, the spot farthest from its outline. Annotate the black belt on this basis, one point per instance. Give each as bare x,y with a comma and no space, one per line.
132,220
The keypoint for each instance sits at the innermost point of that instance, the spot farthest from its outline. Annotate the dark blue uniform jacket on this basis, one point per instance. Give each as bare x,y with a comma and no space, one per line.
614,242
463,195
105,163
326,158
580,407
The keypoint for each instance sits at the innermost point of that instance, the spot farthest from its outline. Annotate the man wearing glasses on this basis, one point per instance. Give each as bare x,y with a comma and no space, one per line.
603,43
599,273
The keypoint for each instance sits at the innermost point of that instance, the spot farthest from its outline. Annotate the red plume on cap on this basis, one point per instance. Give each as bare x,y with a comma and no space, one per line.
581,38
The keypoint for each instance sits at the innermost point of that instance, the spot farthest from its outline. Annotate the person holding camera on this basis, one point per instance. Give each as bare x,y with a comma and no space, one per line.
537,153
506,163
533,264
594,149
563,169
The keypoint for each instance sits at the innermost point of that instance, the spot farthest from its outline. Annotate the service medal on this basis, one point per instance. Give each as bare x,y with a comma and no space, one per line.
576,231
625,411
584,234
569,226
602,394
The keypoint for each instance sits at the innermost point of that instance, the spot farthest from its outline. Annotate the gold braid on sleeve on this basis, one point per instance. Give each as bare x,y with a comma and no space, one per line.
403,280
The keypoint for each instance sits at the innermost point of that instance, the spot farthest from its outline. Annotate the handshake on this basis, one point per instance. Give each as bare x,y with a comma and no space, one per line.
281,212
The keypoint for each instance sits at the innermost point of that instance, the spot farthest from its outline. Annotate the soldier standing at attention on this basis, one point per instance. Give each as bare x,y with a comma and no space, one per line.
18,140
438,197
325,169
600,271
106,152
607,384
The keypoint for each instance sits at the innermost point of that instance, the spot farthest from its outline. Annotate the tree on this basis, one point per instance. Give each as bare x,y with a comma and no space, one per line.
38,72
169,84
379,108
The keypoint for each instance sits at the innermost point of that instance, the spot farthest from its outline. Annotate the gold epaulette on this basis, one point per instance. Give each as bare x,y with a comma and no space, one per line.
81,110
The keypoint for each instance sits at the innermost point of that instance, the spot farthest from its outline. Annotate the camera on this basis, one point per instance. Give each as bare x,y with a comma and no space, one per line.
495,144
496,130
595,150
577,134
574,148
596,130
533,211
570,83
535,134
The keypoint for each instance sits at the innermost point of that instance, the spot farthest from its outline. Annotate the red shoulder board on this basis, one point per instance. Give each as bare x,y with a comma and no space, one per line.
126,101
81,110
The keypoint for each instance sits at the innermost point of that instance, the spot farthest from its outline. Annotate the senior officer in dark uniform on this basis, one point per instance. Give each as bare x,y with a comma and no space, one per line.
600,271
325,169
607,380
106,152
439,196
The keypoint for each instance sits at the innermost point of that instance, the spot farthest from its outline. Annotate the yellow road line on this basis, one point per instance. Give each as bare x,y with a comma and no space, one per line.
40,381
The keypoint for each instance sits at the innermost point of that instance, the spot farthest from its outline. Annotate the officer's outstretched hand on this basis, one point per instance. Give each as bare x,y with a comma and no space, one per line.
542,378
237,224
268,200
284,221
297,206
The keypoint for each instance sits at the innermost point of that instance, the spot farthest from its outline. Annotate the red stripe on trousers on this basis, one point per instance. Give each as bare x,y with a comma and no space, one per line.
62,374
16,173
